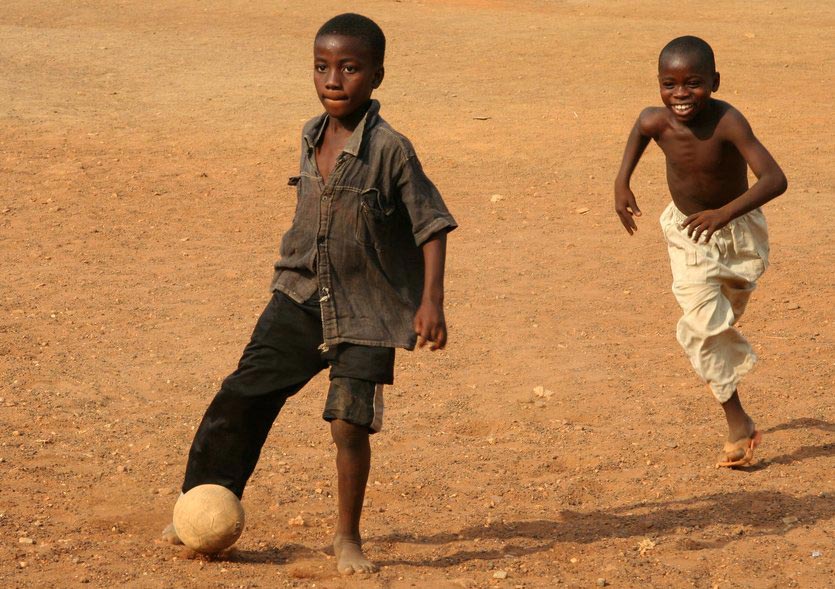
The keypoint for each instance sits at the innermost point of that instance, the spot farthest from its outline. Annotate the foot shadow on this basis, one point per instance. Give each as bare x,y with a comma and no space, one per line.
803,423
760,512
271,555
802,453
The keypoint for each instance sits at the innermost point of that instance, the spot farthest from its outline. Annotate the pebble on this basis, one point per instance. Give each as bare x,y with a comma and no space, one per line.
496,198
817,554
297,521
25,540
500,575
601,582
790,520
582,210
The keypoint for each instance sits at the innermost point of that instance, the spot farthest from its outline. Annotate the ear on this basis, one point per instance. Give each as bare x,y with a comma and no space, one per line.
378,77
715,82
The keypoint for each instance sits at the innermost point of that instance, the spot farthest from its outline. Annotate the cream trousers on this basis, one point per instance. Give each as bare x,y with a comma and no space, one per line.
712,283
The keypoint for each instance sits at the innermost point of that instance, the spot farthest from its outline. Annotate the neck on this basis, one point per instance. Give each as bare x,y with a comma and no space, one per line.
348,123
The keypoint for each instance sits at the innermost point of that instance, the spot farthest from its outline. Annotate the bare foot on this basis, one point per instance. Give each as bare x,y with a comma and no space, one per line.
169,534
349,556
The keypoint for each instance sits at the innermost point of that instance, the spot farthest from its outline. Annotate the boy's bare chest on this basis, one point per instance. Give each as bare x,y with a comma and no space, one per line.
688,152
326,155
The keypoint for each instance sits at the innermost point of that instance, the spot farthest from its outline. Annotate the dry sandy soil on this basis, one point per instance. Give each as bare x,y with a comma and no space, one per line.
145,151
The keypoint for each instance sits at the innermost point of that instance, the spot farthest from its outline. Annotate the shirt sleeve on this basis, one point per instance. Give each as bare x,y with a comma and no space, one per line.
424,205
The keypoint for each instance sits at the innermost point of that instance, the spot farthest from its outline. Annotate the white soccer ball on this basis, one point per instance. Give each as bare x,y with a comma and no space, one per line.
208,518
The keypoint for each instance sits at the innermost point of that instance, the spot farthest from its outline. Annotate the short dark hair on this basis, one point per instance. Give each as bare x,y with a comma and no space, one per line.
359,27
689,45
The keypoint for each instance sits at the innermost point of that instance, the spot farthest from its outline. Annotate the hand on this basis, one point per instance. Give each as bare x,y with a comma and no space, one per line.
705,223
430,326
627,207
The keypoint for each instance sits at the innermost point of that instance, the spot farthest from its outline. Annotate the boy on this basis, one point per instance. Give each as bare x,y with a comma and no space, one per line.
715,231
361,272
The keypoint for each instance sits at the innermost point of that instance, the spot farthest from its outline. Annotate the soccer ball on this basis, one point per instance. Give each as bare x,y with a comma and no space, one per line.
208,518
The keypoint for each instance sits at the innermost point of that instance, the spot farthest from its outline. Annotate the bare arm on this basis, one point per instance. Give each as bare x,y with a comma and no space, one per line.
429,323
625,204
771,182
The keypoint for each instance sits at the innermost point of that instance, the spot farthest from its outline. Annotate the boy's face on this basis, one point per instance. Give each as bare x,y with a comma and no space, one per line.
344,73
686,85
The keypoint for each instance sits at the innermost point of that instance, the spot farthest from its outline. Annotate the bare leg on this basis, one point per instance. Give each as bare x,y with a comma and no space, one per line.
353,462
740,425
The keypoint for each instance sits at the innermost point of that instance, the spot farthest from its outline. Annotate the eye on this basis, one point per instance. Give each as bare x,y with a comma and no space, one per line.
350,69
667,85
320,67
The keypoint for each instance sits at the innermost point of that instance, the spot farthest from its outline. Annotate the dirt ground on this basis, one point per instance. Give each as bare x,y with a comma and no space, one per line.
145,151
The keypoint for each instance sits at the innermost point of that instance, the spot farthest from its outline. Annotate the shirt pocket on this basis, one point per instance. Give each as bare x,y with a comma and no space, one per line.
375,218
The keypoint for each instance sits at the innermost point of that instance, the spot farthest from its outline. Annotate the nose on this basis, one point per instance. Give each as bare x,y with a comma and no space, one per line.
333,81
681,92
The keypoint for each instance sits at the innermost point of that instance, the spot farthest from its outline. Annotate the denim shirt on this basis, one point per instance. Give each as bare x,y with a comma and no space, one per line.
356,240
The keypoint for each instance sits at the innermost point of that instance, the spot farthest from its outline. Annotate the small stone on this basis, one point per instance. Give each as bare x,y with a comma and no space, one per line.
792,306
25,540
165,491
297,521
15,433
582,210
601,582
574,560
500,575
121,468
496,198
789,520
817,554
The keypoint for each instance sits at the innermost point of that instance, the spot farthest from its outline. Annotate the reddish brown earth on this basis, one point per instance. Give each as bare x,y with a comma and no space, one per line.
145,151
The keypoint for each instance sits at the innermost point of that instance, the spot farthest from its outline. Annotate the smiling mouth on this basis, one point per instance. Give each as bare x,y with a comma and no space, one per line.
682,108
336,98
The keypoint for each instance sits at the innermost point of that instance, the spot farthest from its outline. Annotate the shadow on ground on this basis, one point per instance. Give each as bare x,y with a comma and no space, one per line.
759,513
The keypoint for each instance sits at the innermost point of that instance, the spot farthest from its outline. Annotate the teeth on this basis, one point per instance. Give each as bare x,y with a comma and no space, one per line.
682,107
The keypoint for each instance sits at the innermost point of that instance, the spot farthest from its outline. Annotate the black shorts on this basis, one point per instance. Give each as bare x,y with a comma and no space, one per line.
284,354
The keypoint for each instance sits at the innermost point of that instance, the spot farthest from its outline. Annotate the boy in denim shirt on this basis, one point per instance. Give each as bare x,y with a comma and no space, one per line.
361,273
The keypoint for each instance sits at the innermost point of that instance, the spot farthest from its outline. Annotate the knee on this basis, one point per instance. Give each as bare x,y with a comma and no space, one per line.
348,436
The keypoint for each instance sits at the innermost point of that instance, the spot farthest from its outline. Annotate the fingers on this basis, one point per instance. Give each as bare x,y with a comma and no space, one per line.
633,204
436,337
625,216
439,338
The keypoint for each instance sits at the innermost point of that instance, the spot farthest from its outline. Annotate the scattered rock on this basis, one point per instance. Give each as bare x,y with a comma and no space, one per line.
500,575
297,521
789,520
542,392
601,582
645,546
582,210
25,540
496,198
817,554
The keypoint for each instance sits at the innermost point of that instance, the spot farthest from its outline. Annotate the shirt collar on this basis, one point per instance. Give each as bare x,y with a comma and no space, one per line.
354,143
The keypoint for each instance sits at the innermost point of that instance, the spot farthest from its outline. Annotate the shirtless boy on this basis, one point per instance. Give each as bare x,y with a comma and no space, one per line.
715,231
